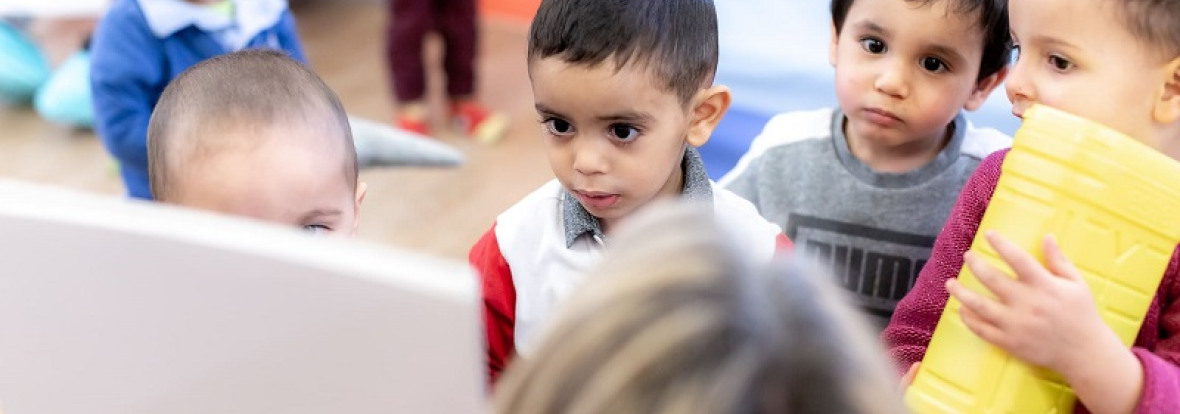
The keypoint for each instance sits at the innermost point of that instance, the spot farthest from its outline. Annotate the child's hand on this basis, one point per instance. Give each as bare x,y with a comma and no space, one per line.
1045,317
908,379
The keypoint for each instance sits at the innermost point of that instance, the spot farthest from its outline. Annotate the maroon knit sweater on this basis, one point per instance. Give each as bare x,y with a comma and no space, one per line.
908,334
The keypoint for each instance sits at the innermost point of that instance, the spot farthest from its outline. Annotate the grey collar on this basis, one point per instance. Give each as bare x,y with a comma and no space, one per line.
918,176
578,222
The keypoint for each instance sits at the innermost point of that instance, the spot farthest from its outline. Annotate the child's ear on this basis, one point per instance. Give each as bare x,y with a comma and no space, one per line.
362,188
984,88
708,108
1167,106
835,39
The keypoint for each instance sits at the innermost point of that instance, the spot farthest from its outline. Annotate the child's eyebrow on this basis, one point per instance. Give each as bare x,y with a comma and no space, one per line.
628,117
545,111
868,26
634,117
1051,41
947,52
321,212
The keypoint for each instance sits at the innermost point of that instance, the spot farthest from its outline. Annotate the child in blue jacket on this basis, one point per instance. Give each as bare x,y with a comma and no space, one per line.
140,45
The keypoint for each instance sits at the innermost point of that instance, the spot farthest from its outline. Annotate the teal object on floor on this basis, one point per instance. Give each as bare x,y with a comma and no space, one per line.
65,98
22,67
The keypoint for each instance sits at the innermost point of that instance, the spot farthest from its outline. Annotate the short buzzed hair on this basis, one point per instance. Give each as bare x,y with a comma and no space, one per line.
675,39
247,89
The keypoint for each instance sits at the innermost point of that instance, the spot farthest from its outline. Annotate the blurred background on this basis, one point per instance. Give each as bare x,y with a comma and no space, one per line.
773,56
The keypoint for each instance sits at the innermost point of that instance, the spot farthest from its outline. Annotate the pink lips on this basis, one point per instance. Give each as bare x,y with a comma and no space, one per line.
596,200
1018,109
881,117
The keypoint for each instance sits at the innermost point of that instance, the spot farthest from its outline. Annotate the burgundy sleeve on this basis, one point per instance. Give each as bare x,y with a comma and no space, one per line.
1161,373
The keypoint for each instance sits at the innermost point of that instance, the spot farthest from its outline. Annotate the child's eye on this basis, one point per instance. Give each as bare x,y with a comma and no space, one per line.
317,229
873,45
557,126
624,132
1060,63
1014,53
933,64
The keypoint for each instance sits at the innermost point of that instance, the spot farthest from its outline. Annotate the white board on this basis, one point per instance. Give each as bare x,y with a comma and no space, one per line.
53,8
110,306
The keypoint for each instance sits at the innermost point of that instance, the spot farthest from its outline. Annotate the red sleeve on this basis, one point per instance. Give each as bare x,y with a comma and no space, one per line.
499,301
918,312
1161,373
782,243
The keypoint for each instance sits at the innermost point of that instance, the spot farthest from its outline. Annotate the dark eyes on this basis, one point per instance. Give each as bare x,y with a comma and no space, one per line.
558,126
618,132
876,46
873,45
624,132
1060,63
933,64
1057,62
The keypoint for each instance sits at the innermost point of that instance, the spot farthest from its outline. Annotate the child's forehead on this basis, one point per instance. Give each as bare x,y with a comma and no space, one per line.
634,78
264,138
936,27
1089,25
601,93
943,14
613,66
272,151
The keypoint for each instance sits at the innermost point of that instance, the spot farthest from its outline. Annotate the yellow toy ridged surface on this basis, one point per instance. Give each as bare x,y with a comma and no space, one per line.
1111,203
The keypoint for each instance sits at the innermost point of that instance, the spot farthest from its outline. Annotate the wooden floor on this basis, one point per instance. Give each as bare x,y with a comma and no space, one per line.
438,211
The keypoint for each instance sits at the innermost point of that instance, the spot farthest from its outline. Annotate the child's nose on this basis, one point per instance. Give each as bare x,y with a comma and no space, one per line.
1017,85
590,157
893,80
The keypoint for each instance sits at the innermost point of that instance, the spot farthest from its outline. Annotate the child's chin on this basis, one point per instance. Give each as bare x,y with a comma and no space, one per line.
608,214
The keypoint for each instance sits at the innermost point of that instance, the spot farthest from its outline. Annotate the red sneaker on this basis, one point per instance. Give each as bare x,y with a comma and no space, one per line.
479,123
419,126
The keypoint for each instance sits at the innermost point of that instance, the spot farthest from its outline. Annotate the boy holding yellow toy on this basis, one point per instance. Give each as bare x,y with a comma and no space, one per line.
1116,62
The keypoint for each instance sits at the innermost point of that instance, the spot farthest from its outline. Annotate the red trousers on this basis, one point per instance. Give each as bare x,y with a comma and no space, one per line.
410,21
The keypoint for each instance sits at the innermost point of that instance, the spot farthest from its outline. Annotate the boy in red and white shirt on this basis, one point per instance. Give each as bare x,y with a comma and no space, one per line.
625,95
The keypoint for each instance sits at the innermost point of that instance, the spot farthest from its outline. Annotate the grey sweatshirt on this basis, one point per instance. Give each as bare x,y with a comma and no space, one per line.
873,230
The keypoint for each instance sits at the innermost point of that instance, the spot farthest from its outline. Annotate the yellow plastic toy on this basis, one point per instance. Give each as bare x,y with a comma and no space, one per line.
1111,201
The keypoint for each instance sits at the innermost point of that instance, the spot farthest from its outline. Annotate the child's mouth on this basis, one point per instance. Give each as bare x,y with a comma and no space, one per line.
881,117
596,200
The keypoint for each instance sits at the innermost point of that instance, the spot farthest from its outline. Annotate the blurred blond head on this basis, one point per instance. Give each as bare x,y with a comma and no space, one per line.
676,320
